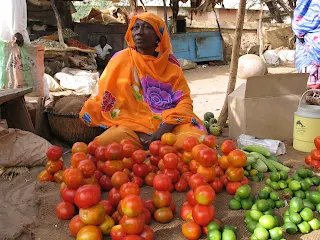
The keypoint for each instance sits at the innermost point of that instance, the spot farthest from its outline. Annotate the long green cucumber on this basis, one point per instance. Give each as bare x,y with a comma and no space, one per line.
273,158
256,148
260,166
280,167
266,161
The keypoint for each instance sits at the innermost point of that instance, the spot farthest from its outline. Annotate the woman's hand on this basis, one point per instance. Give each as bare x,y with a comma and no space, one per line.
144,139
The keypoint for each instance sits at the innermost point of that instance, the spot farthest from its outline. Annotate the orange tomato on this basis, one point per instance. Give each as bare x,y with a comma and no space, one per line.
89,233
208,173
191,230
169,139
227,146
237,158
235,174
107,225
196,151
75,225
80,147
194,166
112,166
76,158
73,177
58,176
54,166
224,162
93,215
45,176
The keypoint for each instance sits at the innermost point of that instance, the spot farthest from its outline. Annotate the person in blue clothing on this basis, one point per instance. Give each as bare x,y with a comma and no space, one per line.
306,27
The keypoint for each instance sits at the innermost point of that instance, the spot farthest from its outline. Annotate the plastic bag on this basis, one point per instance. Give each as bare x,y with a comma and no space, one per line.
22,67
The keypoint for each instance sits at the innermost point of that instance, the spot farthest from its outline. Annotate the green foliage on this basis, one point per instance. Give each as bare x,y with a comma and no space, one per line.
83,8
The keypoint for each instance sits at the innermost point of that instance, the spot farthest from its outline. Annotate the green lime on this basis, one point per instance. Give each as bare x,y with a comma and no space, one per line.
305,185
267,222
274,186
308,204
275,196
272,203
314,224
253,237
214,235
261,233
234,204
268,181
295,218
228,235
276,233
306,214
297,177
213,226
236,197
275,176
286,219
309,180
288,192
244,191
296,204
318,207
260,175
294,185
289,180
255,215
282,184
314,197
229,227
283,175
316,180
262,205
248,219
307,194
303,173
263,195
247,214
252,226
246,173
280,203
290,228
304,227
246,204
267,189
300,194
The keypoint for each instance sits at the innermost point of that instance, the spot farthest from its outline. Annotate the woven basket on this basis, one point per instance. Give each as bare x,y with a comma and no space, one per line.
69,128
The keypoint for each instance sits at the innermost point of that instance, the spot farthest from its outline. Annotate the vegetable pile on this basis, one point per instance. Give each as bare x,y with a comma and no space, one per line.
75,43
313,160
210,123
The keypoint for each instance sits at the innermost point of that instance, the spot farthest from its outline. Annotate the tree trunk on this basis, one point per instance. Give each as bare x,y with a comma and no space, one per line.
59,25
143,6
165,13
234,62
260,35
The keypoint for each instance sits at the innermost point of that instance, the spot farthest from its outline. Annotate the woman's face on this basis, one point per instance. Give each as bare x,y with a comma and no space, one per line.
144,36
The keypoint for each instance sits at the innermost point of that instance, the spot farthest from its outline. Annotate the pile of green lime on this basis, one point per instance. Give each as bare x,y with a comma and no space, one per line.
253,174
215,232
272,197
210,122
242,199
299,217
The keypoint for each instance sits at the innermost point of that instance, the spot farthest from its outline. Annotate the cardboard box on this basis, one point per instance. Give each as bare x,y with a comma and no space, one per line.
264,106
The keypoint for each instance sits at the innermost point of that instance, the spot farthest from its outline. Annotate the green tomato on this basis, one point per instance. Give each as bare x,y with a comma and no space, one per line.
261,233
214,235
304,227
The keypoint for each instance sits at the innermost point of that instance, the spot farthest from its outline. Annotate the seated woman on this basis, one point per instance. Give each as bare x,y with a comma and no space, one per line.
143,93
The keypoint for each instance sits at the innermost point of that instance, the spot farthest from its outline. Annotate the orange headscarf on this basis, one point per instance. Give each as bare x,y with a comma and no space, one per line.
140,91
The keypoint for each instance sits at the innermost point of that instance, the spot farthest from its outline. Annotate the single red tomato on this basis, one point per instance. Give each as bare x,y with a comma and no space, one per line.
315,154
141,169
73,177
217,185
187,157
237,158
146,216
89,233
169,139
128,149
163,215
116,216
190,143
170,160
58,176
105,183
191,198
208,173
161,164
191,230
147,233
119,178
218,171
186,175
149,178
75,225
79,147
171,189
65,210
174,174
93,215
117,233
154,160
148,204
186,212
210,141
98,174
114,196
182,185
54,166
203,215
227,146
76,158
224,162
129,188
308,159
108,207
100,153
92,158
205,230
138,181
182,167
154,168
315,164
114,151
161,199
87,168
196,151
196,180
235,174
162,182
224,180
132,225
92,147
87,195
100,166
128,162
139,156
111,167
155,147
132,205
317,142
232,187
244,181
194,166
208,157
54,153
204,194
68,194
44,176
165,149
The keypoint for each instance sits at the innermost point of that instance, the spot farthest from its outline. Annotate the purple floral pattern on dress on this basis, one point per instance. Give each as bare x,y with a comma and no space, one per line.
158,95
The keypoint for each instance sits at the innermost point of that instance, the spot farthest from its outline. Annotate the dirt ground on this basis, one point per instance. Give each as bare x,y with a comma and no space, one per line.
28,207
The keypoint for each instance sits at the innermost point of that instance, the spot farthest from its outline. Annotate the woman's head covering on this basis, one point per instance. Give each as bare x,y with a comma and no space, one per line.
159,27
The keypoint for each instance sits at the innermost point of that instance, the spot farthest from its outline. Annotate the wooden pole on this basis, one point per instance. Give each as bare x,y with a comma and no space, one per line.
165,14
260,35
59,25
234,62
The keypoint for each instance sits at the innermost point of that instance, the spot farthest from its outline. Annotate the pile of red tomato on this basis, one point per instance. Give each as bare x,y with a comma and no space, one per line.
313,159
